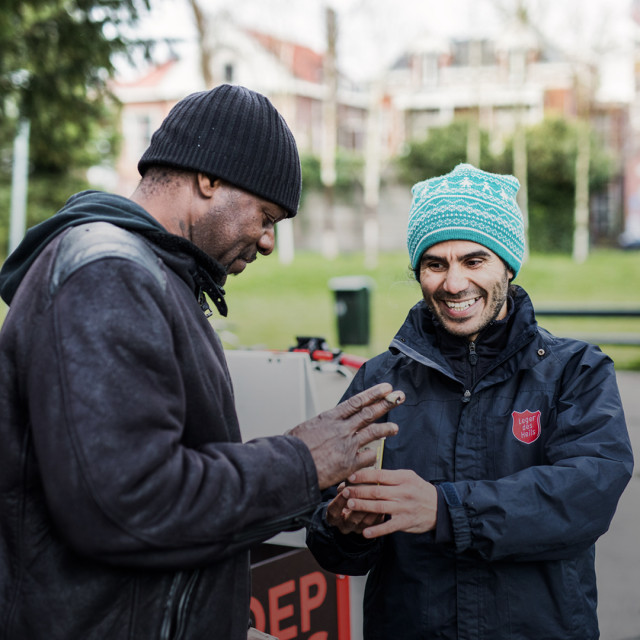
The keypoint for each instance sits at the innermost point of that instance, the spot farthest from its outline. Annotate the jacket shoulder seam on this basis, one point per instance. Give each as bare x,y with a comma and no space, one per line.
93,241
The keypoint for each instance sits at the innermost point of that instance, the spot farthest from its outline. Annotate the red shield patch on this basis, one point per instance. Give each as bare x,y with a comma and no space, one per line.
526,426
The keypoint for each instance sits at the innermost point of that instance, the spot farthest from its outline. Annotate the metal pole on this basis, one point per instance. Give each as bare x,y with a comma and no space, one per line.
19,183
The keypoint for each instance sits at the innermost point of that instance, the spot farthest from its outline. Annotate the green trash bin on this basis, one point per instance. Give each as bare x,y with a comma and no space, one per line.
352,301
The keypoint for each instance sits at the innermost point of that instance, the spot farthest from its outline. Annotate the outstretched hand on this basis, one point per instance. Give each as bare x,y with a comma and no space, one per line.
379,502
335,437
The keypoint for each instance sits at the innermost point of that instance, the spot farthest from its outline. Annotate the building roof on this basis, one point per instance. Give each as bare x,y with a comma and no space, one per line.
304,63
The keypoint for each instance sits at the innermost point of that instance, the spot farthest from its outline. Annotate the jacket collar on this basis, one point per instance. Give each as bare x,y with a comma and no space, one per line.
202,273
418,336
96,206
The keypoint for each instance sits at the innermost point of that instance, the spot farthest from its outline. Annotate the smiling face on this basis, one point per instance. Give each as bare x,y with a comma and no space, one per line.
236,226
465,286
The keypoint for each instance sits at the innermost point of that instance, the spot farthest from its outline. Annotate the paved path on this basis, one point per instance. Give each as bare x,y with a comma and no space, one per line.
618,551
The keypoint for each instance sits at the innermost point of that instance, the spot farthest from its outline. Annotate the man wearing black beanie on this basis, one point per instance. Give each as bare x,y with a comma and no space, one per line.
129,501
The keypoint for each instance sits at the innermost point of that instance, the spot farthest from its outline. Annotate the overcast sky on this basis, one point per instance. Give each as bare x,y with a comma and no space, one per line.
373,32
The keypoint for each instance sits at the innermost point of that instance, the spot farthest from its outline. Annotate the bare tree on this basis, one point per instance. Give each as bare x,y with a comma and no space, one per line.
473,129
378,20
584,98
582,50
329,139
372,169
205,48
519,20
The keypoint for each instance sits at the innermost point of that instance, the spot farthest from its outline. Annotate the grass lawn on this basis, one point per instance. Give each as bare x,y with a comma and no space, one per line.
270,303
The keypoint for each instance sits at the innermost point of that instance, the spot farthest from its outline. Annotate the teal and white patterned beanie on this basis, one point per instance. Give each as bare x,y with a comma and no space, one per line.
467,204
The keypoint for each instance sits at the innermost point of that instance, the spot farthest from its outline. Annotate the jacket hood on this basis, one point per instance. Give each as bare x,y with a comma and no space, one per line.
83,207
97,206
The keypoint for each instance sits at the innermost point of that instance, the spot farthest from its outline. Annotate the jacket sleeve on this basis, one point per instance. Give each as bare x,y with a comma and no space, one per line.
108,404
554,510
351,554
347,554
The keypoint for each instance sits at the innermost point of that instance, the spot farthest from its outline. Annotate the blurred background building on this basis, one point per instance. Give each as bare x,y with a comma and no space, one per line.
494,85
380,94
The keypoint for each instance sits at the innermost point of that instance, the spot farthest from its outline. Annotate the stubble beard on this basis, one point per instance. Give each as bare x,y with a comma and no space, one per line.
499,293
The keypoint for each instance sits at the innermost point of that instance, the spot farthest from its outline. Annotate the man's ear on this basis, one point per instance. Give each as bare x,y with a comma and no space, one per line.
206,184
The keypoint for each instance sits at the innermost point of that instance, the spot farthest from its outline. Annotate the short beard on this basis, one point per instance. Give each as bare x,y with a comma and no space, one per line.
500,293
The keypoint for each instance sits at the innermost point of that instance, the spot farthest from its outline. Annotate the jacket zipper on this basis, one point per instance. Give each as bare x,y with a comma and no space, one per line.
204,305
473,361
401,344
177,606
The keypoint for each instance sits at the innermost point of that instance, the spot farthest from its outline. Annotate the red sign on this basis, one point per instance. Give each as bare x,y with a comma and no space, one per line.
293,598
526,426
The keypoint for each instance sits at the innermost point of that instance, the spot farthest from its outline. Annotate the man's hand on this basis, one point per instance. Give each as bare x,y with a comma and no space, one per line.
410,502
348,521
335,436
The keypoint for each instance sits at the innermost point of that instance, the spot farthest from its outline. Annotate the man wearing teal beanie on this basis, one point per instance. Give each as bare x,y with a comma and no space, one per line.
512,449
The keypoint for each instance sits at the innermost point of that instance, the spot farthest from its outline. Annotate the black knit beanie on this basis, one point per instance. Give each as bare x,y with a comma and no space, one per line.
234,134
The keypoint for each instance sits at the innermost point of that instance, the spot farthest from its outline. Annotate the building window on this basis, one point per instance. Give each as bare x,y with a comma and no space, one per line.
143,126
429,68
228,73
137,134
460,50
517,66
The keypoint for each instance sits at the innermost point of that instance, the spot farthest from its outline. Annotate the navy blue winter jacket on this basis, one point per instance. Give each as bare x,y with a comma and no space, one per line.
531,459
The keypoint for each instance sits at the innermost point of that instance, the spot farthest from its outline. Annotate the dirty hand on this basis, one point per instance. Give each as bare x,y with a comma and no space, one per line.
334,437
346,520
406,501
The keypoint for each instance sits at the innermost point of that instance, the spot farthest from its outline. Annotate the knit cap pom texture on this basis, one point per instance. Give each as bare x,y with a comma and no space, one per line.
467,204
